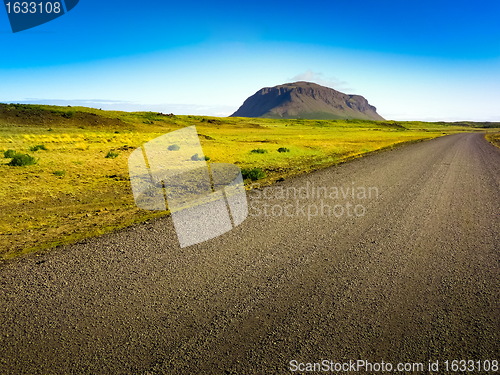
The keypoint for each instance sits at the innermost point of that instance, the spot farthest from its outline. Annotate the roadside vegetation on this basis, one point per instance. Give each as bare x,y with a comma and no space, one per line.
253,174
493,138
78,186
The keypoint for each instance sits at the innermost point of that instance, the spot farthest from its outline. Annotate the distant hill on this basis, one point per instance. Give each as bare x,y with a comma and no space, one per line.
52,116
306,100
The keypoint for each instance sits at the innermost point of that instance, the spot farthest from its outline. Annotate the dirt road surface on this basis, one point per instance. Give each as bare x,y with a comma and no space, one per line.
411,277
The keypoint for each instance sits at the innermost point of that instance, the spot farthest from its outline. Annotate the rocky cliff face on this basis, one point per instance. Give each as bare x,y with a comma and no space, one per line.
306,100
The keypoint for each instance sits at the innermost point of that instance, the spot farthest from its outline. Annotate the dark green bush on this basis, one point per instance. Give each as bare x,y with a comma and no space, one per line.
9,154
173,147
38,147
258,151
252,173
19,160
283,149
111,155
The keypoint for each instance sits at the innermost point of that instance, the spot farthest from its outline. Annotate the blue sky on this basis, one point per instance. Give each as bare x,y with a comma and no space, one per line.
426,60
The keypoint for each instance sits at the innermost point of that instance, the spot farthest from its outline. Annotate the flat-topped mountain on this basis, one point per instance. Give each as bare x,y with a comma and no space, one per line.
306,100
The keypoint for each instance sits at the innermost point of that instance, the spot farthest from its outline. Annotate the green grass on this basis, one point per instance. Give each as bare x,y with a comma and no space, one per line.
74,191
59,173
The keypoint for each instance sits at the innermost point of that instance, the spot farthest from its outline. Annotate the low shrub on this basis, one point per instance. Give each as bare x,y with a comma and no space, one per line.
38,147
111,155
59,173
9,154
19,160
196,157
283,149
252,173
174,148
258,151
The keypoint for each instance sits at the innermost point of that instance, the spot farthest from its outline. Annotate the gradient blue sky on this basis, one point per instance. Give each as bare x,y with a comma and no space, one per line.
425,60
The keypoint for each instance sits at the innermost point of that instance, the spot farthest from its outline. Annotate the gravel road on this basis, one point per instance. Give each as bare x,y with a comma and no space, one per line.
408,273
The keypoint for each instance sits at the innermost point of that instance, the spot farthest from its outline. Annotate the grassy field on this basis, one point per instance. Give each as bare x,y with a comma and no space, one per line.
79,186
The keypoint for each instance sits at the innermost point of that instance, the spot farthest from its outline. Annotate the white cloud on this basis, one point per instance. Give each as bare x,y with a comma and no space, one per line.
321,79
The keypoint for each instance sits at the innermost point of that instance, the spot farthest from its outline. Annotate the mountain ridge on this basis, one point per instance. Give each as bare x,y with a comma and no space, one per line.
306,100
